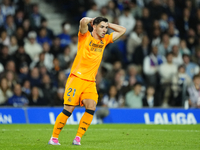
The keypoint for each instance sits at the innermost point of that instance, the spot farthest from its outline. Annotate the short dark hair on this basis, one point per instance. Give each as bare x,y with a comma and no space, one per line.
97,20
169,53
195,76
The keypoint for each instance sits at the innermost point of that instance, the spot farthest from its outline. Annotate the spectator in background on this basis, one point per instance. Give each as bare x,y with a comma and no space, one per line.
133,98
11,78
48,57
119,80
135,39
23,72
151,65
172,10
26,6
115,68
102,86
146,20
34,98
156,34
93,11
20,34
40,62
21,57
34,77
65,38
42,37
113,10
164,47
141,52
173,34
196,56
191,40
35,17
19,17
56,67
27,27
56,48
13,45
18,99
183,23
64,58
166,71
133,74
26,87
4,55
73,46
183,49
5,91
10,66
193,92
126,20
2,18
112,99
163,22
135,9
7,8
150,98
44,24
156,9
1,68
191,68
58,100
132,77
180,82
61,80
32,48
177,56
4,38
48,90
9,25
104,13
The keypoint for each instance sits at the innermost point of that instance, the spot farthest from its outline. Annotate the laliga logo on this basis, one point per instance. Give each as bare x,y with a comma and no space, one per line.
5,118
179,118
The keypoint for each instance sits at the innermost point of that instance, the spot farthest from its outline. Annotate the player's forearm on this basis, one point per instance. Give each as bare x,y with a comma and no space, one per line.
86,20
117,28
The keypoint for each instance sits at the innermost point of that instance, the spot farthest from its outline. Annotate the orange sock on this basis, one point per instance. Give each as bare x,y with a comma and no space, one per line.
59,124
84,123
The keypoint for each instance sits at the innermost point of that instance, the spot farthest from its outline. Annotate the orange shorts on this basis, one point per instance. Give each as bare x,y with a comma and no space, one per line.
77,89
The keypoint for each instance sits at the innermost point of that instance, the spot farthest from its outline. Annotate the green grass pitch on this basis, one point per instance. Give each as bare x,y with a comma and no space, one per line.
102,137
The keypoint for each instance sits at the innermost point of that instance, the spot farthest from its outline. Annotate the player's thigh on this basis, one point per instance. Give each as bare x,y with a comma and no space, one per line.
73,90
89,97
89,104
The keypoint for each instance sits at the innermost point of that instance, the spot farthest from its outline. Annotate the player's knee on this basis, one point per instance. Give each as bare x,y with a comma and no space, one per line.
89,111
89,104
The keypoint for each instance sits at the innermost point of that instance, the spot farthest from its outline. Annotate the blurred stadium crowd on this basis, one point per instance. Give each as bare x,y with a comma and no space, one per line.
155,64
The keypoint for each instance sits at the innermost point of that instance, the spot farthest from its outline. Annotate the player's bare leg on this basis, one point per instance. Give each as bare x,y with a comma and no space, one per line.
90,106
60,123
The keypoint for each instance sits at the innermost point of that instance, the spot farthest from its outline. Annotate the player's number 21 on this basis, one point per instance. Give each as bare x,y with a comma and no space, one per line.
70,90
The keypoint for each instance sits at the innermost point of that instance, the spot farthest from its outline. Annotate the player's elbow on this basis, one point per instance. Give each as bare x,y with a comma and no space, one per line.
123,30
83,21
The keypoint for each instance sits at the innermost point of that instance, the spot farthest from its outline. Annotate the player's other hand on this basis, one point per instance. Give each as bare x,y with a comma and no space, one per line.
91,22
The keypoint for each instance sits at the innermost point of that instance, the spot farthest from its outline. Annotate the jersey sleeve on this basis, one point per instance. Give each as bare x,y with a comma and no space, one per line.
82,35
109,38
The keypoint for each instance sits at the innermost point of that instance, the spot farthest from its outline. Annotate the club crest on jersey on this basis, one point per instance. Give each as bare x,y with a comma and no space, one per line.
101,42
69,99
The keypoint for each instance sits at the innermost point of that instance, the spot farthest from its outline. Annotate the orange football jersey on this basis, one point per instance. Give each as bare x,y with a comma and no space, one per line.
89,55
